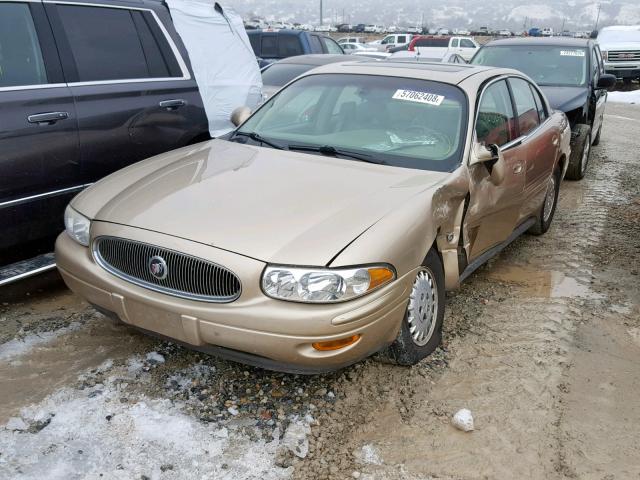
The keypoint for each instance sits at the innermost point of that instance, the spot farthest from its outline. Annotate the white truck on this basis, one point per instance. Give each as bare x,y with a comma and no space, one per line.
394,40
620,46
432,46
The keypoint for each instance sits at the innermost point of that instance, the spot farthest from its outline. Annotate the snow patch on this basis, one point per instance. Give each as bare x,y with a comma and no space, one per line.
632,97
20,346
94,432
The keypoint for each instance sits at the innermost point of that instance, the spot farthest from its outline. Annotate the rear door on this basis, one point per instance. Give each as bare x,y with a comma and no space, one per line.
134,94
39,157
540,144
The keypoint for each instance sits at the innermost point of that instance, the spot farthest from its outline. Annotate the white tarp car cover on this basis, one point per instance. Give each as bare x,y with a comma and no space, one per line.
222,59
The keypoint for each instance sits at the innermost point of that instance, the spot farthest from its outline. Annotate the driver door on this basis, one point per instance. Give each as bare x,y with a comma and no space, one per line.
494,209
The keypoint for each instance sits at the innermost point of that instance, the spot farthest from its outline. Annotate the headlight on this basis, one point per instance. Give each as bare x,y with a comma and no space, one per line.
323,285
77,226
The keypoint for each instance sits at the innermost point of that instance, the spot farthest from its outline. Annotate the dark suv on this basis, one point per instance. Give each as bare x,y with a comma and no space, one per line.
571,74
270,46
86,89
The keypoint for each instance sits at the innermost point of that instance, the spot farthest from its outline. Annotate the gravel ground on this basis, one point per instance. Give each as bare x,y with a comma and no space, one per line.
541,344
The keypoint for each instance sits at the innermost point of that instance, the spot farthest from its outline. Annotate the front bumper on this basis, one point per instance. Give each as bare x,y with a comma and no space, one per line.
253,329
623,69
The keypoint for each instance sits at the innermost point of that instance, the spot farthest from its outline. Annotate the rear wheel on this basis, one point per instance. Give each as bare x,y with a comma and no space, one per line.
548,209
421,329
580,150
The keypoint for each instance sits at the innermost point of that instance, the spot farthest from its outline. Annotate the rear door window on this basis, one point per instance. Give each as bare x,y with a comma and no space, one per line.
316,46
21,62
454,43
526,107
116,44
542,112
401,39
495,122
466,43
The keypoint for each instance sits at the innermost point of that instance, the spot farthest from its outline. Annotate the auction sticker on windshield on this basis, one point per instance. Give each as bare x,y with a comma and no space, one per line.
420,97
572,53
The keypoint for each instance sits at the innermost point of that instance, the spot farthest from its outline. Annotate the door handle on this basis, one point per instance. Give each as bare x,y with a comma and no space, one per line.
172,104
48,118
517,169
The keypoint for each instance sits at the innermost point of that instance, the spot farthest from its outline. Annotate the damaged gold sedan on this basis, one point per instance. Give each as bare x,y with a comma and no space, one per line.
327,226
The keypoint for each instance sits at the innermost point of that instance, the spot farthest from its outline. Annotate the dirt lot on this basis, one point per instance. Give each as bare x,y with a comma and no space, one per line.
542,345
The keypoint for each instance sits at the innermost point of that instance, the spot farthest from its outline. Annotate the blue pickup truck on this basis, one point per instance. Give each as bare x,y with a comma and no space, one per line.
270,46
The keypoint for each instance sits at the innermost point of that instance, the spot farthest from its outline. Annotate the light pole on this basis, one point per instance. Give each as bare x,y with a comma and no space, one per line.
597,18
321,12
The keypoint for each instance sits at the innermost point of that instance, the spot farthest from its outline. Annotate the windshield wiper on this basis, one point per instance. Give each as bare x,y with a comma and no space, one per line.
333,152
257,138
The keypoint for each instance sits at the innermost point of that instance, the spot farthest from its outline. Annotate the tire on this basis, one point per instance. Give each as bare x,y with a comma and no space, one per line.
581,148
409,348
549,204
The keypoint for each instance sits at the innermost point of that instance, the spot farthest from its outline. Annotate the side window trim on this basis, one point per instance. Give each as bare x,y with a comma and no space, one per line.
65,51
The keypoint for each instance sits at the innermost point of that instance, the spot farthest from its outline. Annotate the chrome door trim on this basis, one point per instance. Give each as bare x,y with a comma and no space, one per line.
52,193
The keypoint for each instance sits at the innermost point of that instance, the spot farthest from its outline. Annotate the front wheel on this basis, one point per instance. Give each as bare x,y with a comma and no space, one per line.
580,151
421,329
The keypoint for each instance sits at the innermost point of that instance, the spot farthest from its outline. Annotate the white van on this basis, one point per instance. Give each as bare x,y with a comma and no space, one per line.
394,40
436,46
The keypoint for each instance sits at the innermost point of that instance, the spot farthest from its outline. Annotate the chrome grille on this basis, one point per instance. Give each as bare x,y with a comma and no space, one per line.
623,56
186,276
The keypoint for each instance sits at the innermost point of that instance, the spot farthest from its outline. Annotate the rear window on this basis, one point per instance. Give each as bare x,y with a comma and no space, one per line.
289,46
269,46
255,44
280,73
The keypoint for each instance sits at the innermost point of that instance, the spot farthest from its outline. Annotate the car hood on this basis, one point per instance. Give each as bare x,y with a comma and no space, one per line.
565,99
622,45
272,205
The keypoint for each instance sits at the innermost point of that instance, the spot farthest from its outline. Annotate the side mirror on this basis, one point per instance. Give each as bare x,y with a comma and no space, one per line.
606,80
240,115
491,156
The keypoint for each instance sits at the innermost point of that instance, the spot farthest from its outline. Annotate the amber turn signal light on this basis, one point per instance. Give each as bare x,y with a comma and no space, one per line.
336,344
379,276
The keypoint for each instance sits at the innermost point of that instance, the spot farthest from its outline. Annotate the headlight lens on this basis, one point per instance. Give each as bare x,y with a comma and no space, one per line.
77,226
323,285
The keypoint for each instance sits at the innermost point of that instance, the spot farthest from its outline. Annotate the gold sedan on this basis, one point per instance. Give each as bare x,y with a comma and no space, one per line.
329,224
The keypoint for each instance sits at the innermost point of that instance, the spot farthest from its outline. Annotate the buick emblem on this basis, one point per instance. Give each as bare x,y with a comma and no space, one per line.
158,267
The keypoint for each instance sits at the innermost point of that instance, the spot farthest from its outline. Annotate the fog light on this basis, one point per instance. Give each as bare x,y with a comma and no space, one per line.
336,344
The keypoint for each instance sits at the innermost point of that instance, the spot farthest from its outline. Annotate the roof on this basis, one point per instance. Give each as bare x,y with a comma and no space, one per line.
556,41
441,72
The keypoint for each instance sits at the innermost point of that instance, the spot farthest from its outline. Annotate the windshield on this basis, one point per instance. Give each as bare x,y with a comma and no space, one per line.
280,73
545,64
396,121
